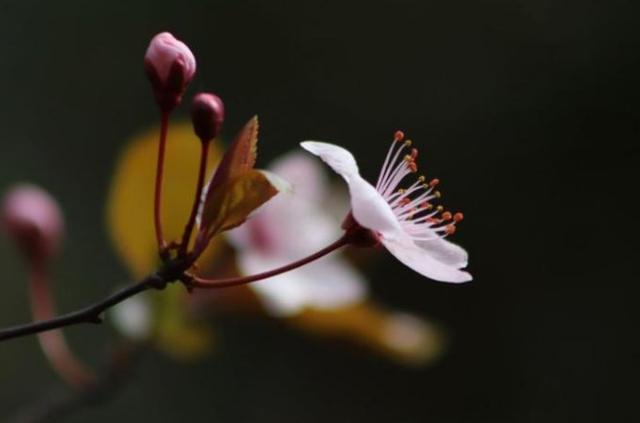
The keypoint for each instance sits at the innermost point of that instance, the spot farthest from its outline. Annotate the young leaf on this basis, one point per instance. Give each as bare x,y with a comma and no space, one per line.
239,157
229,205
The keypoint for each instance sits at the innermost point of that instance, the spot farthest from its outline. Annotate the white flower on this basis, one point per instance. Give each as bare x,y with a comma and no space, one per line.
289,227
403,220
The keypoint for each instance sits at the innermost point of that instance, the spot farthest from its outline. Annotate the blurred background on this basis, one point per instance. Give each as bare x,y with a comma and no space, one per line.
528,112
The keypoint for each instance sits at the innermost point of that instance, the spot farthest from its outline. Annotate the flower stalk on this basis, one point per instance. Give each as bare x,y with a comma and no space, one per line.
157,203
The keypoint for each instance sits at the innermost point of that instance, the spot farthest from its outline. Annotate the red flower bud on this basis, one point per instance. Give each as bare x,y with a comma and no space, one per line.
32,218
170,66
207,115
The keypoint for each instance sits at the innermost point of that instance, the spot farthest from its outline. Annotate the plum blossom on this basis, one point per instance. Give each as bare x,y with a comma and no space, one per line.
291,226
33,219
170,67
165,51
404,221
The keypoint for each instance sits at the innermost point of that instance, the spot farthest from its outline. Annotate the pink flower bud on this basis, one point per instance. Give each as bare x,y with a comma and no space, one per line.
170,66
32,218
207,115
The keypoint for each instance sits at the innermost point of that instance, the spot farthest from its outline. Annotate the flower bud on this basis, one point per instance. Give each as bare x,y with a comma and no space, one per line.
207,115
33,220
170,66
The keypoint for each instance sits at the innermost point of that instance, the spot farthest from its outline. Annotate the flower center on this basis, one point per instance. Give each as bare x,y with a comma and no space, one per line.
414,206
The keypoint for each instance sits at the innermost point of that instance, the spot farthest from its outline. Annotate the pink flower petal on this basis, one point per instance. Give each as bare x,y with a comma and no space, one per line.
305,173
369,207
413,256
445,252
328,283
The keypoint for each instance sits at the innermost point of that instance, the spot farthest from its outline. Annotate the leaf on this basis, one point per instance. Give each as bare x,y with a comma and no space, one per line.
239,157
230,204
130,200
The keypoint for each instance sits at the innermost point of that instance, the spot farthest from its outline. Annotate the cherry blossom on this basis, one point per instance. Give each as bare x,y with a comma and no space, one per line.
404,220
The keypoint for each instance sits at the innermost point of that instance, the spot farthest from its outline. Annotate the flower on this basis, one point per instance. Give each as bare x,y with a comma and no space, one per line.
170,66
403,220
291,226
328,297
33,219
207,115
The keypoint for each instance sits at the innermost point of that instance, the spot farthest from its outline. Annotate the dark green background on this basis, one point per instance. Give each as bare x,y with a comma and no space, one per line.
526,109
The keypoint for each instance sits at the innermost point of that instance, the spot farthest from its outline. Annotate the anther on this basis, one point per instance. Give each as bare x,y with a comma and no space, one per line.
438,194
458,217
446,216
413,167
421,179
398,136
434,182
414,153
408,143
439,209
450,229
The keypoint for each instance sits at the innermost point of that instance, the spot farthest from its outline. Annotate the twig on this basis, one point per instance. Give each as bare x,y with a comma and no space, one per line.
171,272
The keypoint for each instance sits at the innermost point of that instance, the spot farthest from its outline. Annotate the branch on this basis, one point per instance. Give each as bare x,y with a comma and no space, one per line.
91,314
172,271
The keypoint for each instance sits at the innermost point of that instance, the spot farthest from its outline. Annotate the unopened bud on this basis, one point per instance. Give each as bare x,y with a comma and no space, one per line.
170,66
32,218
207,115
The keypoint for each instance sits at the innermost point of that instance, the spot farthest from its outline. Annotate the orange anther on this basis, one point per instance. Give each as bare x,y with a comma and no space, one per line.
450,229
414,153
446,216
413,167
434,182
458,217
398,136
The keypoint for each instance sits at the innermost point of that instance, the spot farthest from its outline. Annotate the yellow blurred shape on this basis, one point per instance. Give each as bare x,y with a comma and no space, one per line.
400,336
130,223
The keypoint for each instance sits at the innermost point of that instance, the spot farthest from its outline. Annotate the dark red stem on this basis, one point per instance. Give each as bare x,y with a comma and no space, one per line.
53,343
157,204
197,282
186,236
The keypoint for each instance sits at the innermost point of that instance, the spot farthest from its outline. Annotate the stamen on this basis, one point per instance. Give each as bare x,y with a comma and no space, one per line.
458,217
398,136
389,164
